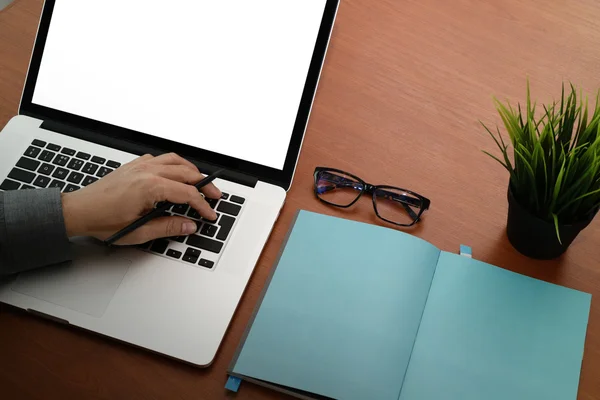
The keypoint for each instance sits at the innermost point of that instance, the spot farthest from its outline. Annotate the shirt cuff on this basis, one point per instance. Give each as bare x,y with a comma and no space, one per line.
35,229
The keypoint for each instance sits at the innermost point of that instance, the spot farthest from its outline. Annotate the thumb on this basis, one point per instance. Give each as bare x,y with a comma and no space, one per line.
160,228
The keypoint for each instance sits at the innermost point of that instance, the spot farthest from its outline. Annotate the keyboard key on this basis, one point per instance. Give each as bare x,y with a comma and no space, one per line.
32,152
191,255
69,152
9,185
90,168
46,156
238,199
83,156
113,164
193,214
224,195
75,177
212,202
180,209
24,187
39,143
21,175
143,246
206,263
61,160
28,163
226,224
60,173
58,184
179,239
205,243
71,188
208,230
41,181
89,180
46,169
102,172
161,204
98,160
212,221
75,164
229,208
159,246
174,253
53,147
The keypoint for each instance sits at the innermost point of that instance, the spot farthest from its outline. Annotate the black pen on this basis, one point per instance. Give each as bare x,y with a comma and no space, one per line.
158,211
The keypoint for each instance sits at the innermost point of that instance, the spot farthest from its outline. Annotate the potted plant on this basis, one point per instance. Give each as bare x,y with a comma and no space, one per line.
554,188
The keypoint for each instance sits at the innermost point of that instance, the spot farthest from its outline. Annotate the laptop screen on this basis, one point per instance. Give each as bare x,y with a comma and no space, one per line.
223,76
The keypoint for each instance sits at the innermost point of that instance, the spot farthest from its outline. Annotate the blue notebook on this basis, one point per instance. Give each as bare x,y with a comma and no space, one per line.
357,311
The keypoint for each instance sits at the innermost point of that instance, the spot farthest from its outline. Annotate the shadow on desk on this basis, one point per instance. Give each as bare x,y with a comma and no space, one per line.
504,255
73,337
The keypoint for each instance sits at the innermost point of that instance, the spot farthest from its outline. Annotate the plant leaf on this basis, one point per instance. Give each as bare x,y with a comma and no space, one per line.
557,185
497,159
529,170
555,218
579,198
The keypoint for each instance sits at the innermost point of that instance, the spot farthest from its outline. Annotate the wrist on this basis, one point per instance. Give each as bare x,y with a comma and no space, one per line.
74,223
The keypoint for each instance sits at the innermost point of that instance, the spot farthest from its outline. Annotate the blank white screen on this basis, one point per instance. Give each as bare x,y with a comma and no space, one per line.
225,76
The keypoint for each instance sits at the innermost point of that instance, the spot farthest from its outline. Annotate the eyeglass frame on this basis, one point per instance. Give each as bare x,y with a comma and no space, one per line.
372,189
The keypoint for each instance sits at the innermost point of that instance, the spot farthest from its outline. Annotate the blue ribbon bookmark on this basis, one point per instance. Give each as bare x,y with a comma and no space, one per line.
466,251
233,384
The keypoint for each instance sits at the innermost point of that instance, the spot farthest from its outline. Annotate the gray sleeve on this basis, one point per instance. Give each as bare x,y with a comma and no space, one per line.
32,230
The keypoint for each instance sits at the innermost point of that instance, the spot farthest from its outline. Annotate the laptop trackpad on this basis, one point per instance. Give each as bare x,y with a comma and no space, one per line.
86,284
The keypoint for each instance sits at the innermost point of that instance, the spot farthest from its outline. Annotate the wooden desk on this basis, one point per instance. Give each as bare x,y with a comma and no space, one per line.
403,87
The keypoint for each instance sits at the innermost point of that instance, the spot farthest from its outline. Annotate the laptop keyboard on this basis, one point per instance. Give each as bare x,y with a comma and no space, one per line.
205,247
50,165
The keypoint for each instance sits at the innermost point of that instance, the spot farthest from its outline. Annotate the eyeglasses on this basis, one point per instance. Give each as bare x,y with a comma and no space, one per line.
394,205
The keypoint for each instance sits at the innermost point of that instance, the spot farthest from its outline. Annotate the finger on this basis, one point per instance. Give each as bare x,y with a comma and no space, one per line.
145,157
180,193
179,173
160,228
184,174
209,190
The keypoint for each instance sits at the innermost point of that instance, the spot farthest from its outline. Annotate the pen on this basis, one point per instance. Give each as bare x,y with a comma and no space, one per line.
158,211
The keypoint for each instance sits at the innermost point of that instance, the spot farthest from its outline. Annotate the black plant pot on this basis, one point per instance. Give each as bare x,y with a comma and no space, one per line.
536,238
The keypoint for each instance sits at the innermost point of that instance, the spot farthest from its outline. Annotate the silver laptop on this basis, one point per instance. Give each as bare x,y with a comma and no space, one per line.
224,84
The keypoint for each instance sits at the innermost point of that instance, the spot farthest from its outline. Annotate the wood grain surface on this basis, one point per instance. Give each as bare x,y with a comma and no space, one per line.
404,85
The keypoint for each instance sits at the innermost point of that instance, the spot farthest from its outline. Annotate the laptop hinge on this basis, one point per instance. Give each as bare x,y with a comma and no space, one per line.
140,149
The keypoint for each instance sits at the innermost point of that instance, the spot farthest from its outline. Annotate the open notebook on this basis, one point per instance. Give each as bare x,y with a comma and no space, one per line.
356,311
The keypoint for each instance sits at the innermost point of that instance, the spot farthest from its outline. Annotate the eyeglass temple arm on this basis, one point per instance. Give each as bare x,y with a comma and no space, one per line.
403,200
399,198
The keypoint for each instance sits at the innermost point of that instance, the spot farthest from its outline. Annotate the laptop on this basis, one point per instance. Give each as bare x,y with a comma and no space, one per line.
224,84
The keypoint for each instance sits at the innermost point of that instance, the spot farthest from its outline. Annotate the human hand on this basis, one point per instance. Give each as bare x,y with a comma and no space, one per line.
115,201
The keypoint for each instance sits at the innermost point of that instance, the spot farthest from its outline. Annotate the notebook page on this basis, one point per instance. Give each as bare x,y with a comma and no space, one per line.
342,310
488,333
